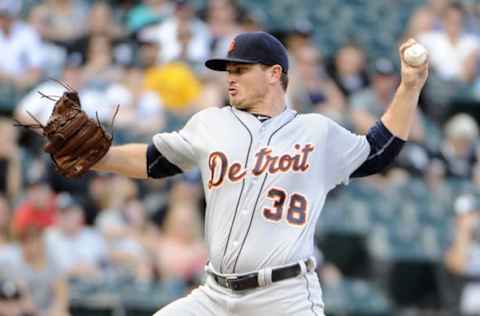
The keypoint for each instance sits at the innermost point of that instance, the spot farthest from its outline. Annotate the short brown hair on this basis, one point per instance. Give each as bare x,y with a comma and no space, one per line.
283,78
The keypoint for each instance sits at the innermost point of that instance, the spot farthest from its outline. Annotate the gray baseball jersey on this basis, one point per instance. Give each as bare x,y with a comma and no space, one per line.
265,182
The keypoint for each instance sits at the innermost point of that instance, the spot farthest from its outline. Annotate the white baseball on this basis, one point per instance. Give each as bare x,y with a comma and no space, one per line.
415,55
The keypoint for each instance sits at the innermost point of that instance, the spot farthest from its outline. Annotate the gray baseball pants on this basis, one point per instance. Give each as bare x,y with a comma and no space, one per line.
299,296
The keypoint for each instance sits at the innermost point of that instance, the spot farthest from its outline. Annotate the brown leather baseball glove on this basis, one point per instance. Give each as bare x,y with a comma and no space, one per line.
75,141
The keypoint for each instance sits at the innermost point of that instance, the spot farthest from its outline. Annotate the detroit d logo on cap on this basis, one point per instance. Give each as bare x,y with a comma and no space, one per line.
231,46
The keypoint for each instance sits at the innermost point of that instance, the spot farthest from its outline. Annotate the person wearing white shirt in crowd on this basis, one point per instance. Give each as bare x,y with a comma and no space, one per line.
451,49
41,108
77,250
463,257
21,48
169,34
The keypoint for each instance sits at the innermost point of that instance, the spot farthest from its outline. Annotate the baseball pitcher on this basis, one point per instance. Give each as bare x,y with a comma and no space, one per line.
266,172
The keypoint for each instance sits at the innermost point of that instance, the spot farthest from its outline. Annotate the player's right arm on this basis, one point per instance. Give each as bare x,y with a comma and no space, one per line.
167,155
139,161
128,160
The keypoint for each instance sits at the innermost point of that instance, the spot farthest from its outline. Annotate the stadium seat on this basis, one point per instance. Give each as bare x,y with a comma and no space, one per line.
355,297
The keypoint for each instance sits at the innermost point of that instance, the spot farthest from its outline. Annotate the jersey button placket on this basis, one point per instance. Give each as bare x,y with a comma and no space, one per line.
253,179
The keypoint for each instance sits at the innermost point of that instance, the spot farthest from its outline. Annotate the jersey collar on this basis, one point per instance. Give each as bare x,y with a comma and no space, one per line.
274,122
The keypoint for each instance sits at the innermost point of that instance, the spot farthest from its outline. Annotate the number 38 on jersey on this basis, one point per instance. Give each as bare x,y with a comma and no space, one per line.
292,206
296,203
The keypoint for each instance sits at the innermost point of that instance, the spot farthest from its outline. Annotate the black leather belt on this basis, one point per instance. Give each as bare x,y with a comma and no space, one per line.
250,281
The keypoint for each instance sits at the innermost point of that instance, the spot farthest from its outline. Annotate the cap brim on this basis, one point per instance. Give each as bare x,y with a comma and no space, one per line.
220,64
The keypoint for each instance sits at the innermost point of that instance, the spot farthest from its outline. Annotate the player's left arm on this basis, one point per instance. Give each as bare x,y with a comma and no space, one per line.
387,136
400,115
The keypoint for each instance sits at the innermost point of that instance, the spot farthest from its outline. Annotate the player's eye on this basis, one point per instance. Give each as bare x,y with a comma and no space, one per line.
237,70
234,71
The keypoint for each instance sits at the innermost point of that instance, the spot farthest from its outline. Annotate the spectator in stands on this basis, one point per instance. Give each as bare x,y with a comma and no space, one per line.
79,252
10,161
435,179
463,257
7,248
148,12
54,54
459,147
37,277
426,18
180,252
21,54
137,104
300,35
101,25
12,303
12,300
121,226
175,82
349,69
473,8
177,85
141,232
39,206
128,241
148,52
311,90
222,17
4,220
63,20
73,76
250,22
166,34
101,22
100,70
97,197
422,21
368,104
41,108
451,49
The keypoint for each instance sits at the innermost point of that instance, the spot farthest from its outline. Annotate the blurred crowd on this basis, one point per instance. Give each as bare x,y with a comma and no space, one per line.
59,236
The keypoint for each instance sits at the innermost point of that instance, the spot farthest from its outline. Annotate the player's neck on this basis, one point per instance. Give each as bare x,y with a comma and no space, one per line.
271,105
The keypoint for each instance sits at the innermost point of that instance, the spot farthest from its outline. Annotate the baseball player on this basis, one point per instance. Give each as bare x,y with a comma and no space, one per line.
266,172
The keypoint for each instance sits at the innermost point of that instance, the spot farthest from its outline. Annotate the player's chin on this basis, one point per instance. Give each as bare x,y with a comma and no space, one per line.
236,103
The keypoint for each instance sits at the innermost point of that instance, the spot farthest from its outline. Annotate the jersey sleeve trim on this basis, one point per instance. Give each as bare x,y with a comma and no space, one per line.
158,166
384,148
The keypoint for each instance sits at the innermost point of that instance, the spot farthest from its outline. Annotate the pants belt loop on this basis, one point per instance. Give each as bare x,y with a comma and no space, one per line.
264,277
208,268
311,264
303,267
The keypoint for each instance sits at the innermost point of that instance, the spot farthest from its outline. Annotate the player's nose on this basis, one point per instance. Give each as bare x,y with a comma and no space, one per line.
231,80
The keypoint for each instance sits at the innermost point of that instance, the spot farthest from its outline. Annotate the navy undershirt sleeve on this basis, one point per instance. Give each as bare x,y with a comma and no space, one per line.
384,148
158,166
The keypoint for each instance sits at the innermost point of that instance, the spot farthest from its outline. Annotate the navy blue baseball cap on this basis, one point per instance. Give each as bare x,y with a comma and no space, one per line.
253,48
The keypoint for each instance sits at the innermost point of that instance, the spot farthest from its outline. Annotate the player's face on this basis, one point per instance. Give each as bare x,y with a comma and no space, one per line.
247,85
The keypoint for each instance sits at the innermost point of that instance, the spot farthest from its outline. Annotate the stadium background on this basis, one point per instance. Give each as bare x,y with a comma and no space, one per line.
406,242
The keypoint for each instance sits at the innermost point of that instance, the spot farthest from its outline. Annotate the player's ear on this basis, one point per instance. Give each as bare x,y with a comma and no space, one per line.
275,73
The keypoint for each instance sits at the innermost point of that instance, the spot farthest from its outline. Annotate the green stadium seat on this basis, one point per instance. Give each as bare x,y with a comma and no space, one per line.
355,297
